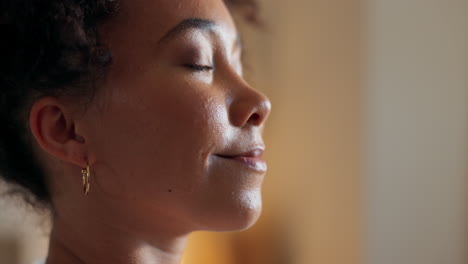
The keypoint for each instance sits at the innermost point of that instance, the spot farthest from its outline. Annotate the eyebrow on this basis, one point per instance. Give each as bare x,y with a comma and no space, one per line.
190,23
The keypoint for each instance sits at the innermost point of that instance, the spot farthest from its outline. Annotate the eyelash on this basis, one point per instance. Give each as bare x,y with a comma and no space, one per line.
200,68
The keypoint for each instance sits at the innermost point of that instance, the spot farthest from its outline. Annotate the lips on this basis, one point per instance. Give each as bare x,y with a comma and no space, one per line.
251,159
255,153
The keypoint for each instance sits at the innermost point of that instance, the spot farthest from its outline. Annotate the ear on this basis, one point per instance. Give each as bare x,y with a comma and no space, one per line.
53,126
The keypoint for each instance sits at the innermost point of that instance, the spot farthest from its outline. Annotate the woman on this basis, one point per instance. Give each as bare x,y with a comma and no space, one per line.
132,122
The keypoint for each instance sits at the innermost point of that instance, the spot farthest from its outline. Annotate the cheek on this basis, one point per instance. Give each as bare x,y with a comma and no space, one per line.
159,140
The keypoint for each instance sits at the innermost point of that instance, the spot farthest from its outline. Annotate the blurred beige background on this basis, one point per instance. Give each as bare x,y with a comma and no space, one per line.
367,143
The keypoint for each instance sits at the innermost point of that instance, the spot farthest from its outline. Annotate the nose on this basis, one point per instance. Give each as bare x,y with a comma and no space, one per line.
248,107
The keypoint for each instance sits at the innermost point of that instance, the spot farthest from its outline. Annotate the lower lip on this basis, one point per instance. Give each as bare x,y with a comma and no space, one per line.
256,164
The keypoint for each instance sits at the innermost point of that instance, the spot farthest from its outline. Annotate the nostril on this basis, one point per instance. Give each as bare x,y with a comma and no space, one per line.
254,117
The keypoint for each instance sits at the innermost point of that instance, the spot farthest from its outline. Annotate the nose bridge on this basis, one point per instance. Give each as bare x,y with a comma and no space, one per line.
248,105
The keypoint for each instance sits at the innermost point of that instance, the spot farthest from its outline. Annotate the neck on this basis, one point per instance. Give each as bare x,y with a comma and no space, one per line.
105,244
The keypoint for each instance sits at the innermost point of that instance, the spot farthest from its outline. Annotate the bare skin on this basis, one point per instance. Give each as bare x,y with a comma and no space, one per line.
172,137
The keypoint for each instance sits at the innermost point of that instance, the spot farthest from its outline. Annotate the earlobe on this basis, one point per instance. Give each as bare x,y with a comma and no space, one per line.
53,127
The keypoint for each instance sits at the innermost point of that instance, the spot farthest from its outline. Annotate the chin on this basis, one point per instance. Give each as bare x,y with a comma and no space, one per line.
237,216
247,221
239,222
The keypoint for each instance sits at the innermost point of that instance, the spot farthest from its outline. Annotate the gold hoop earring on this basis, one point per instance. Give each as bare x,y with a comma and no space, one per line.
86,179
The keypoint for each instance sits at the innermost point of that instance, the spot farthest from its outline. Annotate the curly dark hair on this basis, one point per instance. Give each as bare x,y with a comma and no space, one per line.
50,48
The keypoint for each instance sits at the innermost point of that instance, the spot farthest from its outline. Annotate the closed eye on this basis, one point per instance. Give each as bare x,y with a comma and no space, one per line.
198,67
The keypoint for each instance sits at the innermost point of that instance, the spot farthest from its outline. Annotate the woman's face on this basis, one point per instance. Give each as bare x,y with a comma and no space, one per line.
171,116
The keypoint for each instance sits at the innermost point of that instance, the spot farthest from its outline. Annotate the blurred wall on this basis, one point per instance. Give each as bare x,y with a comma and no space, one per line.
417,135
315,131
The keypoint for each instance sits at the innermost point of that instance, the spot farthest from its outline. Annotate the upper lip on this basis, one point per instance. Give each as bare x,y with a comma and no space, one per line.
255,152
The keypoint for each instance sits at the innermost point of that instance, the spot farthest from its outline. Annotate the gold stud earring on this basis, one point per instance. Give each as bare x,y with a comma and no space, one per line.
86,181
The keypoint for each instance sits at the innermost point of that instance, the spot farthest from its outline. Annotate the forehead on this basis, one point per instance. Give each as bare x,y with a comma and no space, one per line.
154,18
